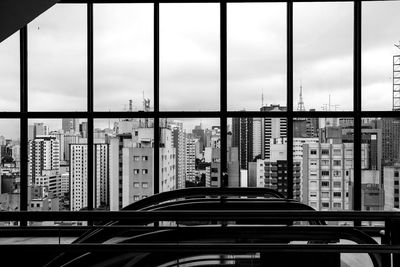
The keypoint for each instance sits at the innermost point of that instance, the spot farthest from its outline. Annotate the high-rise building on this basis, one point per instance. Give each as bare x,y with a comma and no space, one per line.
44,155
390,128
198,133
391,186
242,135
70,125
79,175
327,171
167,169
180,150
190,158
272,128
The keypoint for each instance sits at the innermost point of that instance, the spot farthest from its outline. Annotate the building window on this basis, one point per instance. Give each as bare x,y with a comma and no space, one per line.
325,173
313,194
325,194
324,162
136,197
325,152
337,162
136,171
145,185
337,205
145,158
145,171
337,152
325,204
136,158
337,184
313,152
325,184
337,173
136,184
337,194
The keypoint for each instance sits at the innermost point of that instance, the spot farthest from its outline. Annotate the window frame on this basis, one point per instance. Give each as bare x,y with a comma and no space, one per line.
223,114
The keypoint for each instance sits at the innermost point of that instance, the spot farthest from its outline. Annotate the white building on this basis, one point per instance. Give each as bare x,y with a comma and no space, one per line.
327,174
44,155
391,186
79,176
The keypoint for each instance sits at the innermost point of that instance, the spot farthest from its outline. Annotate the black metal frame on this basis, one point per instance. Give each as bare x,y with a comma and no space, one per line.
223,114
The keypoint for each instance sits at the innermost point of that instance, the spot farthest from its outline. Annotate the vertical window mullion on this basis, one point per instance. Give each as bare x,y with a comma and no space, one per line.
90,177
156,168
24,120
289,94
357,106
223,93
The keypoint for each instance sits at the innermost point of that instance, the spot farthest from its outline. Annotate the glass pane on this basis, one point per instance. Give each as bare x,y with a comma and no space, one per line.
323,150
323,56
123,56
129,159
189,153
9,73
57,69
10,167
57,165
380,56
189,57
256,55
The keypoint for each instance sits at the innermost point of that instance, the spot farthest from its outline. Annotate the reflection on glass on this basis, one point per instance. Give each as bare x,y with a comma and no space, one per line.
189,57
57,69
256,55
123,56
323,56
125,147
9,73
57,165
380,56
323,149
9,167
189,153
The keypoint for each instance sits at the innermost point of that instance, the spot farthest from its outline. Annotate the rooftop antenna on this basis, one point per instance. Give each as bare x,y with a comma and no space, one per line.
130,105
300,105
262,98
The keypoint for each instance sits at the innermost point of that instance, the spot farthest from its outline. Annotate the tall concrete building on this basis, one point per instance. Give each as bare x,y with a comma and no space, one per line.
78,175
132,166
242,136
180,150
390,128
391,186
327,171
38,128
70,125
190,158
167,169
44,155
272,128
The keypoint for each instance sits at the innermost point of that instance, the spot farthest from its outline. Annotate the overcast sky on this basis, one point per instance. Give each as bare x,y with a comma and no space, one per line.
189,57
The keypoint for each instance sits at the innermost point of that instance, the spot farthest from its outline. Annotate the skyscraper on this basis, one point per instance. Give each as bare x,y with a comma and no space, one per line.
44,154
78,175
272,128
70,125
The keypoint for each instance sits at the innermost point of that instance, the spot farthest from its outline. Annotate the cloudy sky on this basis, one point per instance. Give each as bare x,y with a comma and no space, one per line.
189,57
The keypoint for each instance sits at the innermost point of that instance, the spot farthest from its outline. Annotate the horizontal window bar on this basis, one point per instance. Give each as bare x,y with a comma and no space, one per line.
198,215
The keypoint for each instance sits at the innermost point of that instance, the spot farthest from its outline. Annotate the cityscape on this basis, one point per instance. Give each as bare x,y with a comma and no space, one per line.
190,157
